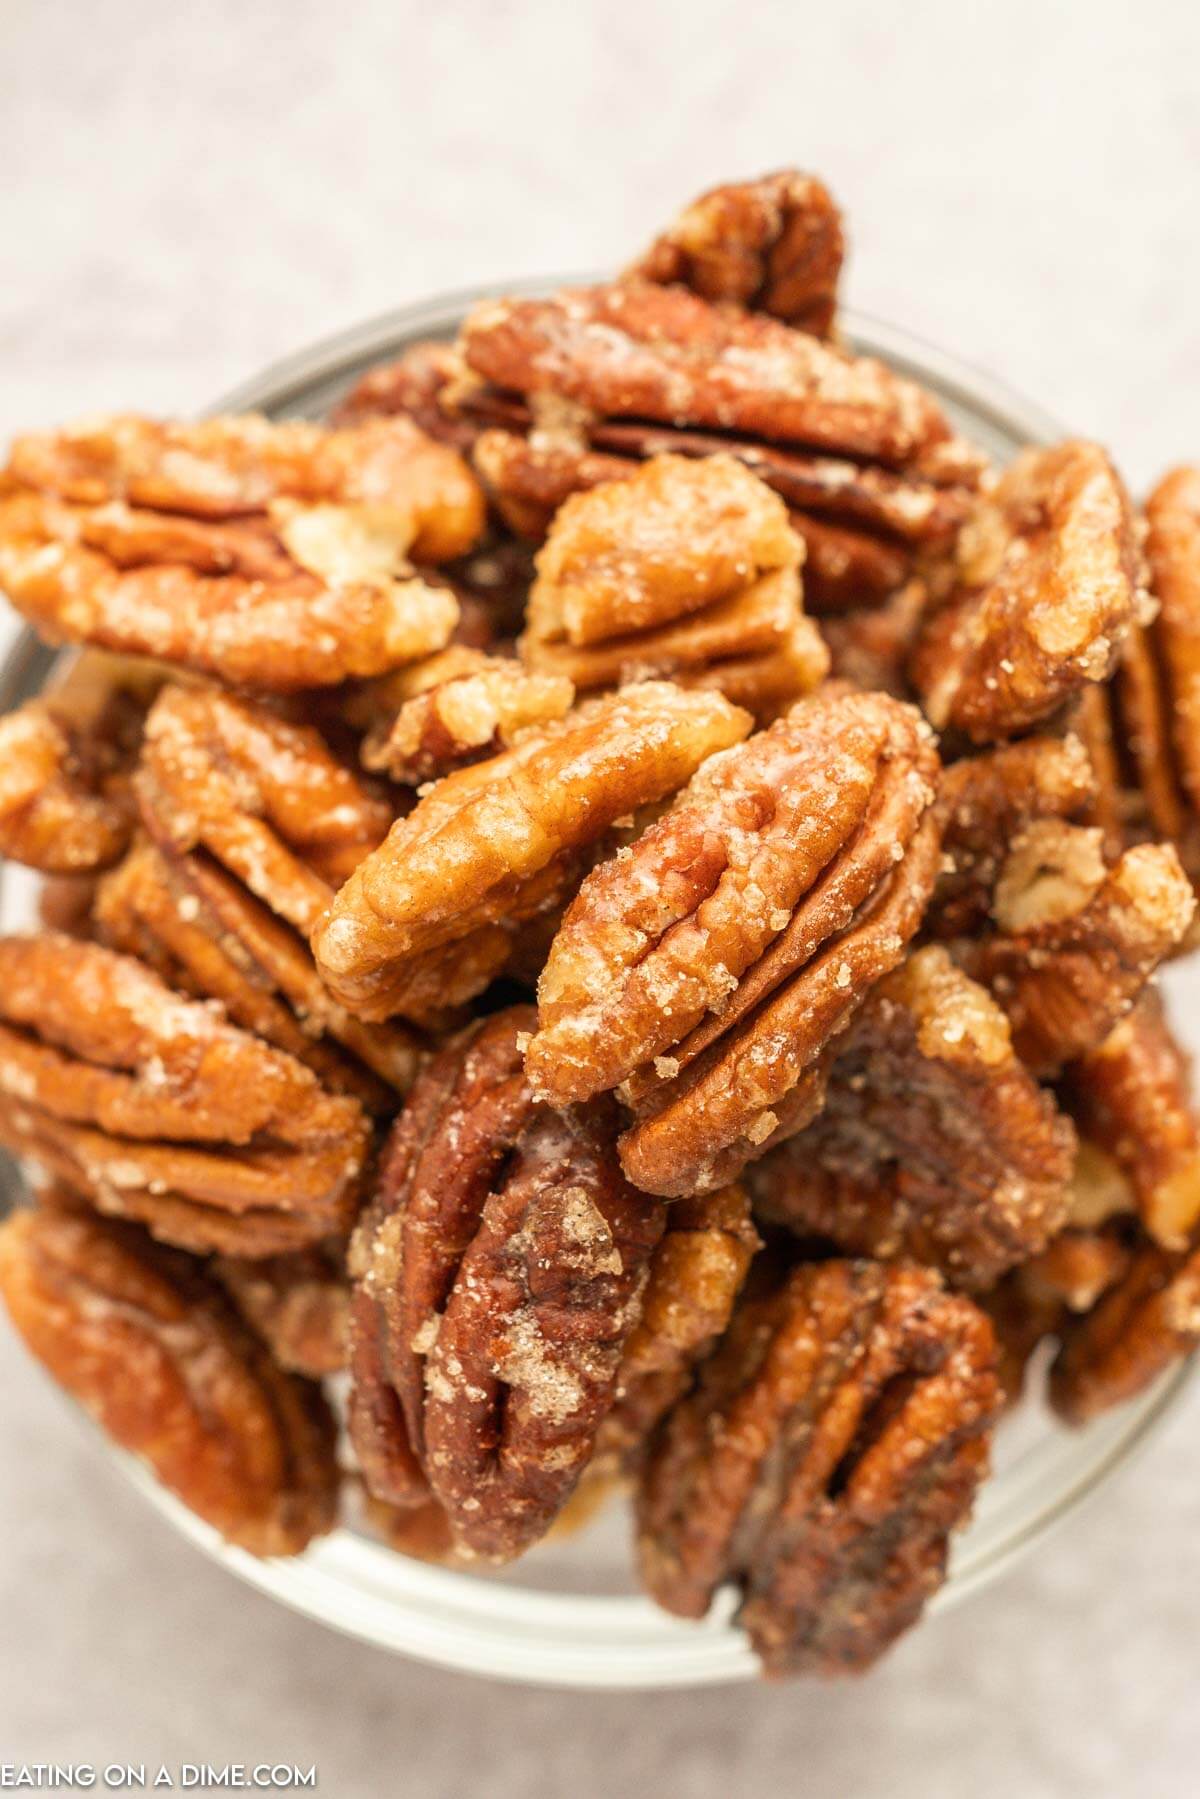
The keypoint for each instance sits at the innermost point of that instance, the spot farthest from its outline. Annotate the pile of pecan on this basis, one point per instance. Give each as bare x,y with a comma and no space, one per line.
599,925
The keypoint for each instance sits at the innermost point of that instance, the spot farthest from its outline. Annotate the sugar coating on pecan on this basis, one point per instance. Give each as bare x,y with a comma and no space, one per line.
705,968
257,824
775,245
1075,939
1144,1323
276,556
499,1272
832,1443
145,1340
987,801
66,807
934,1144
682,569
1132,1096
1050,582
155,1108
485,849
456,708
299,1304
634,350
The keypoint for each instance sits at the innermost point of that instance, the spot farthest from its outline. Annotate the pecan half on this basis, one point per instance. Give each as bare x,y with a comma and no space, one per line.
491,846
1049,585
146,1341
154,1108
299,1304
934,1143
775,245
687,569
1132,1096
1143,1324
456,708
273,555
832,1443
499,1273
1076,940
706,968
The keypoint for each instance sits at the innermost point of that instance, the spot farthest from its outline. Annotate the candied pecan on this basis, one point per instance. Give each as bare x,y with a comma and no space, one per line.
1146,1321
987,801
491,846
146,1341
869,647
65,762
1075,940
412,385
832,1443
696,1274
636,351
708,966
456,708
273,555
154,1108
933,1144
499,1273
1049,584
775,244
257,823
687,569
1132,1096
527,479
299,1304
845,569
1173,549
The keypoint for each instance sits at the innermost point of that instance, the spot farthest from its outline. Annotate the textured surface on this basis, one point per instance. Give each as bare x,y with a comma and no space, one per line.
197,192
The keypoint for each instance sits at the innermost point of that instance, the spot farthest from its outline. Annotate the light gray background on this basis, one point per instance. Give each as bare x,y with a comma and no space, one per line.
189,191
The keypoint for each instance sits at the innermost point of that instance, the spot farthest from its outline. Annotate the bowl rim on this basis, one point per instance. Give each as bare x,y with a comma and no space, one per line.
572,1640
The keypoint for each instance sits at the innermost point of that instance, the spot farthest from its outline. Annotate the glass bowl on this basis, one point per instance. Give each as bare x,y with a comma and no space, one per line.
569,1614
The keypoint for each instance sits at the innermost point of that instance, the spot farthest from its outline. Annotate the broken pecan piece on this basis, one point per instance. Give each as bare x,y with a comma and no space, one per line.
684,569
154,1108
775,245
705,969
1075,940
146,1341
934,1144
832,1443
491,846
499,1272
273,555
1049,584
1132,1096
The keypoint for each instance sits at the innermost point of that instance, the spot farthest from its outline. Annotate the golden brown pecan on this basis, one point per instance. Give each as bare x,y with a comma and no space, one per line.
684,569
499,1272
1141,1325
831,1445
1132,1097
696,1274
412,385
705,968
775,244
66,807
273,555
1049,584
934,1144
146,1341
491,846
1076,940
154,1108
987,801
299,1304
456,708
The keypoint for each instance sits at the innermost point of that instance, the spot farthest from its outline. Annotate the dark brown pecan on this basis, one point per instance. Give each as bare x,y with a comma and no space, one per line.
1077,940
299,1304
147,1342
775,245
831,1445
434,910
499,1273
869,646
154,1108
705,969
934,1143
1050,583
